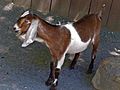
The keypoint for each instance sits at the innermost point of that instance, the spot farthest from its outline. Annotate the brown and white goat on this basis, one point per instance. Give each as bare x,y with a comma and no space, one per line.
71,38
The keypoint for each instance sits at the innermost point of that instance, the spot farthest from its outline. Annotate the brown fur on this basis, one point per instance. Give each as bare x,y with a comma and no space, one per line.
57,38
88,26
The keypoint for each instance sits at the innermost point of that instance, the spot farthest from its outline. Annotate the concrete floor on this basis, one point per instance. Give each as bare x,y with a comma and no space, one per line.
28,68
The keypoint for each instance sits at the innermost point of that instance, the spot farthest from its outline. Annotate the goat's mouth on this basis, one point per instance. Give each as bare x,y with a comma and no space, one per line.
18,33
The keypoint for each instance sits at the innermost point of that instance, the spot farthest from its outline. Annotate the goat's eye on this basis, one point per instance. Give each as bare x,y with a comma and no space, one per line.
27,21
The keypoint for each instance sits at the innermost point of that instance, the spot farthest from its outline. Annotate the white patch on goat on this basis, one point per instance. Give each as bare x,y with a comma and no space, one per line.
61,61
76,44
25,13
93,40
55,81
31,33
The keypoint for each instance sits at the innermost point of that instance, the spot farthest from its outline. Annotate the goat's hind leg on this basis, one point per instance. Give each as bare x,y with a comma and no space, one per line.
95,44
73,63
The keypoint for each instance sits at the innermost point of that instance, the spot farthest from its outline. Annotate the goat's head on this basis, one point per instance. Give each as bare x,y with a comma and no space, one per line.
23,23
26,28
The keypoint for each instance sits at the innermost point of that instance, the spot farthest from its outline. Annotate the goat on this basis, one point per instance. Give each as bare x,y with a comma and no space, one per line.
71,38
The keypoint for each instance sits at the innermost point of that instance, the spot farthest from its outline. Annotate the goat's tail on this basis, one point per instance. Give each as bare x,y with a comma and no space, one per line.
101,11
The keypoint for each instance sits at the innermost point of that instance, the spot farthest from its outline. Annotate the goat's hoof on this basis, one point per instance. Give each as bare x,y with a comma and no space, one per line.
49,82
89,71
53,87
71,67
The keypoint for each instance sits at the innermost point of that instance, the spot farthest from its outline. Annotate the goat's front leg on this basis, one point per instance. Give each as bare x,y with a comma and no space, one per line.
52,74
57,72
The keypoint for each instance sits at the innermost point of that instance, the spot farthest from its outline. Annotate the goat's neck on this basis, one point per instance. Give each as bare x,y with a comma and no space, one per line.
47,31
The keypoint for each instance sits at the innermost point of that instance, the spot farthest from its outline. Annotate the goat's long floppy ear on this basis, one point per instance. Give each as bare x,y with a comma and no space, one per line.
31,33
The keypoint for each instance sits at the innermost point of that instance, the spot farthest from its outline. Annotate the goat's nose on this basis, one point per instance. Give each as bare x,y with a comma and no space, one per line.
14,28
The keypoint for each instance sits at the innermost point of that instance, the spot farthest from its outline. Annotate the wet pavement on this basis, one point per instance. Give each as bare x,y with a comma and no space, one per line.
28,68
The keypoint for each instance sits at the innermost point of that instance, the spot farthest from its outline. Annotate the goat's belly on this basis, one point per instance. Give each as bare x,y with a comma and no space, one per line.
77,46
